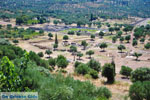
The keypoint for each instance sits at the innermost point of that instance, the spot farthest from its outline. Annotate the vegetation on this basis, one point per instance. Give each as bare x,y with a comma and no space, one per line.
137,55
108,72
126,71
61,61
90,52
94,65
141,74
103,46
50,35
84,44
140,91
121,47
14,32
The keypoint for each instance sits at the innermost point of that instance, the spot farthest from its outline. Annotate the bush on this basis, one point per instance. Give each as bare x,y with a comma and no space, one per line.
140,91
93,73
52,62
125,70
62,61
71,32
108,72
4,42
77,63
15,41
94,65
147,46
103,92
40,54
82,69
140,74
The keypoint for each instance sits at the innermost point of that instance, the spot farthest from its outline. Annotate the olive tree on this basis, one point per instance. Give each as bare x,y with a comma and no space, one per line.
108,72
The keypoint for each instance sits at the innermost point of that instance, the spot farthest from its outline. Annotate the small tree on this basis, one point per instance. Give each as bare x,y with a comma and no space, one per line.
73,49
48,52
61,61
50,35
103,46
41,31
128,37
126,30
90,52
147,46
65,37
108,72
84,44
121,47
71,32
56,22
94,65
101,34
114,39
119,34
137,55
121,39
134,43
15,41
125,70
79,54
92,37
55,46
56,40
111,29
142,40
41,54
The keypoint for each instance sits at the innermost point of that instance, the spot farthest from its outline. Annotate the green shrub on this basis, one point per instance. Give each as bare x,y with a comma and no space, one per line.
52,62
77,63
82,69
94,65
71,32
15,41
140,91
61,61
41,54
147,46
103,92
93,73
125,70
4,42
141,74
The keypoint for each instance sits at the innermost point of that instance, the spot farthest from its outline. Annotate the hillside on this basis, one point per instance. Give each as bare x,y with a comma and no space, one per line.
72,11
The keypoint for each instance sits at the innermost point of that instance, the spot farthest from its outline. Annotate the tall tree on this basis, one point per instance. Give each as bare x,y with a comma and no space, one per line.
56,40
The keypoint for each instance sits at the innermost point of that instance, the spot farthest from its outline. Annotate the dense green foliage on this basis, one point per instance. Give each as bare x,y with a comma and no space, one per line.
94,65
24,72
108,72
141,74
125,70
14,32
75,12
140,91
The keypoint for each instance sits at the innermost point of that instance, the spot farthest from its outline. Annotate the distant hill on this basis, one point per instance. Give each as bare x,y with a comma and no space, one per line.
71,11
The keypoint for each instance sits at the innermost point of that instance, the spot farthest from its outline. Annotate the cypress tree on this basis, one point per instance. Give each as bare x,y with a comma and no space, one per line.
56,40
